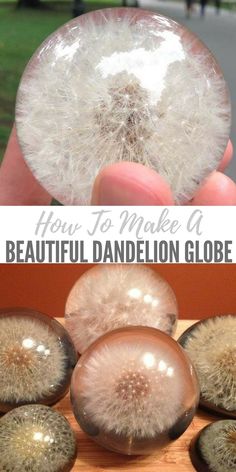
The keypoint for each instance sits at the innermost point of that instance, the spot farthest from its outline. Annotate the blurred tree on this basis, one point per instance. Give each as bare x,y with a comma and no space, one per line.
32,4
130,3
78,8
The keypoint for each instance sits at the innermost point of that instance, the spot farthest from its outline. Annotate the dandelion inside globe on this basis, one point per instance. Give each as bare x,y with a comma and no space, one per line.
134,391
122,84
107,297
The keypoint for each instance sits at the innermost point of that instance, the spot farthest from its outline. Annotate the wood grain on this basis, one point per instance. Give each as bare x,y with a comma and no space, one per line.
92,457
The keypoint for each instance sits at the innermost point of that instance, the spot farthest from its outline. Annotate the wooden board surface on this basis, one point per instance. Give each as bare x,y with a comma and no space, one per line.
92,457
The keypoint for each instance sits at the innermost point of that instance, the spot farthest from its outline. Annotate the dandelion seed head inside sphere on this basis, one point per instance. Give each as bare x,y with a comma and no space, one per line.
211,345
107,297
122,84
134,390
214,448
36,358
36,438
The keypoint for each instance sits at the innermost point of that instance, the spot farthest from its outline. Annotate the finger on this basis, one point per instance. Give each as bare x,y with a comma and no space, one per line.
228,154
218,189
17,184
128,183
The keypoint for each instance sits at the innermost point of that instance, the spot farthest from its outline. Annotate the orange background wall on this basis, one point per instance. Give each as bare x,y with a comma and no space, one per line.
201,290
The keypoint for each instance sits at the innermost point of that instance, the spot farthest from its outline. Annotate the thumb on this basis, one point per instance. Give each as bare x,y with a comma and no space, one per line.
129,183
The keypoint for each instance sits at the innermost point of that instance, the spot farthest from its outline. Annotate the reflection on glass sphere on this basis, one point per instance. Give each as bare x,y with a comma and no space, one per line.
36,438
134,390
211,345
107,297
37,357
214,447
122,84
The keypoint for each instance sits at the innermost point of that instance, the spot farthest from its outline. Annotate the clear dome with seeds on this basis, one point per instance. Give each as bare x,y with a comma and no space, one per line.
36,358
36,438
211,345
122,84
214,448
107,297
134,390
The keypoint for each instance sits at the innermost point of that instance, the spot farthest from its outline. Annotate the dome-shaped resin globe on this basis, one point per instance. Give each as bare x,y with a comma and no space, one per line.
107,297
37,358
35,438
122,84
211,345
134,391
213,449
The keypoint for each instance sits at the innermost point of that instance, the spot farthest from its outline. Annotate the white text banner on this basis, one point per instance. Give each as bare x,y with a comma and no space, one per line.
58,234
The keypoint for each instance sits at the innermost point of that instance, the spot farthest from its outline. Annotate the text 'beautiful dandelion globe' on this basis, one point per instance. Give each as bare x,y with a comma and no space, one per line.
107,297
35,438
211,345
214,447
122,84
37,357
134,391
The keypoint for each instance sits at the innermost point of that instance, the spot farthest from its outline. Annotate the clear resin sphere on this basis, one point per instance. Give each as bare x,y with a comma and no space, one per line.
211,345
107,297
37,358
134,391
214,447
35,438
122,84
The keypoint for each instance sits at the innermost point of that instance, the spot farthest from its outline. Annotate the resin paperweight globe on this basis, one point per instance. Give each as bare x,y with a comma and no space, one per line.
35,438
134,391
122,84
37,358
211,345
214,447
107,297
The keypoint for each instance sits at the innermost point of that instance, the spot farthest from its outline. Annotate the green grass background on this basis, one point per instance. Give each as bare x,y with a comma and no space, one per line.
21,32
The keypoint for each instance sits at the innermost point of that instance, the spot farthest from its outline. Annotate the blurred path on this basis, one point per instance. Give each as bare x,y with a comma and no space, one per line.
218,32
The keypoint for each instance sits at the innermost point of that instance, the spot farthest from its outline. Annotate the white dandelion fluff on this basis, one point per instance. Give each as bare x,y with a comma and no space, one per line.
114,296
36,438
217,443
211,345
122,84
35,362
136,384
132,400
